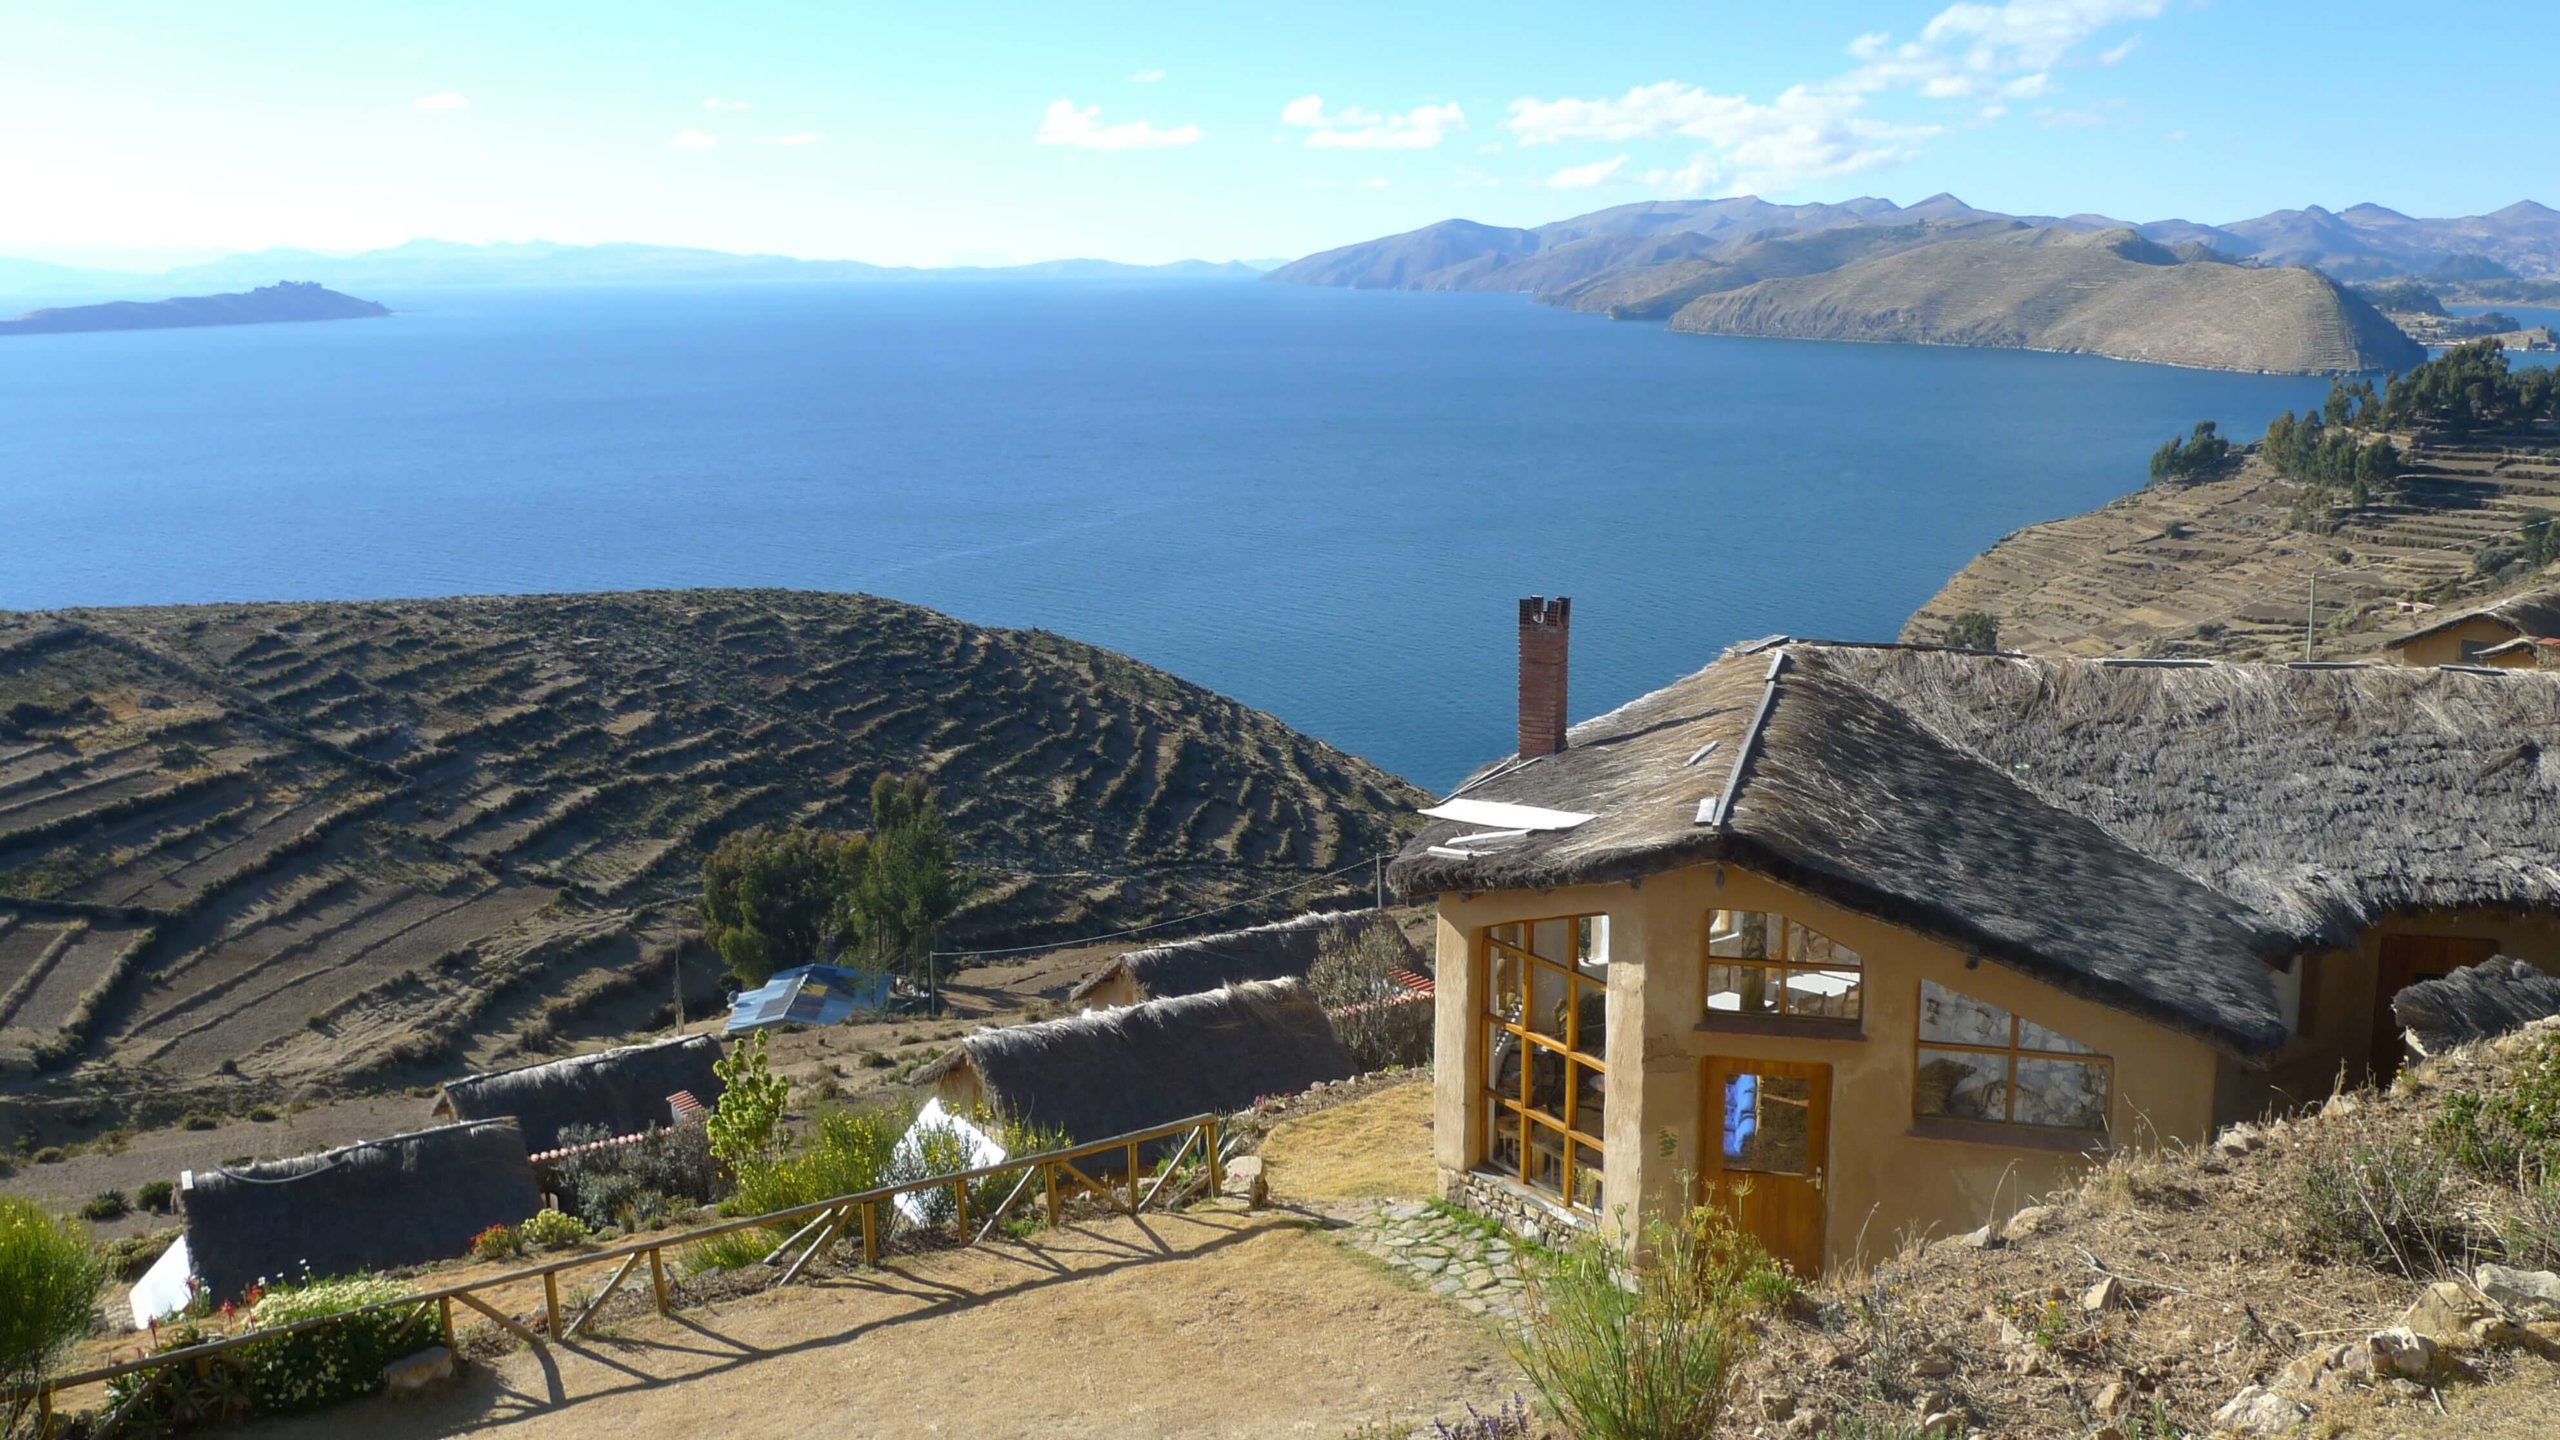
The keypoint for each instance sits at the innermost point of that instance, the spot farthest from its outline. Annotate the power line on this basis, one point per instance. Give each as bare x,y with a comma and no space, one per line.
1361,864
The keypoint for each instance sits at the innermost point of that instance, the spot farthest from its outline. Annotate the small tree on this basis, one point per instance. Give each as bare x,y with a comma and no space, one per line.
911,881
49,1281
746,1126
1379,1021
1973,630
777,899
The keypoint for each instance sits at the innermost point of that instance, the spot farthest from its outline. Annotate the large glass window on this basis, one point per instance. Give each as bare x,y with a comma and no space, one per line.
1546,1091
1760,963
1979,1062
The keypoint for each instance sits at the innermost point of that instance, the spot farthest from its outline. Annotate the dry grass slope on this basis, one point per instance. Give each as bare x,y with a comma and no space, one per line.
353,840
2211,570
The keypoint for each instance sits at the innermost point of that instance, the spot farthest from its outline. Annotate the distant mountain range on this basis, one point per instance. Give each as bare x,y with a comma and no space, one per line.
2261,294
429,263
272,304
2363,242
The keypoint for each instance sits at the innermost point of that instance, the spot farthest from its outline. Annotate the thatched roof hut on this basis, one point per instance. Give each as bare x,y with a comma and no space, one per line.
403,1200
626,1089
1281,951
2534,614
2476,1002
2142,833
1107,1072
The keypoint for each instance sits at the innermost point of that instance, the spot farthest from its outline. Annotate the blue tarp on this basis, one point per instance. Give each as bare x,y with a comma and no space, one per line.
810,995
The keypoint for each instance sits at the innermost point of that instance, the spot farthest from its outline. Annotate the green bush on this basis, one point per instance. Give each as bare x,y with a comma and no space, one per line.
845,1152
1377,1020
105,1205
50,1280
50,1155
262,1114
1625,1352
127,1258
197,1120
326,1364
634,1185
156,1196
2511,1133
553,1229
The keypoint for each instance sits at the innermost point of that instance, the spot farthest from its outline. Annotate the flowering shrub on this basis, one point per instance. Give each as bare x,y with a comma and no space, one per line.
48,1281
498,1242
553,1229
326,1364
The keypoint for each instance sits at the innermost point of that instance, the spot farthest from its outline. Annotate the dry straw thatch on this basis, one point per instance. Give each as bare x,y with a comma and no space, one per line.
2144,835
1107,1072
403,1200
625,1089
2476,1002
1281,951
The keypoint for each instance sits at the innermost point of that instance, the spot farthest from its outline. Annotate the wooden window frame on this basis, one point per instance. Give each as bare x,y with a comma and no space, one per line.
1513,1112
2014,1051
1784,1020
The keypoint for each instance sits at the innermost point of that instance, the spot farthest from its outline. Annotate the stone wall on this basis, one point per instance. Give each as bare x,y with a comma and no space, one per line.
1510,1205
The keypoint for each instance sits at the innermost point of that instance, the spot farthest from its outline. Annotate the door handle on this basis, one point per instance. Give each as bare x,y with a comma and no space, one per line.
1815,1179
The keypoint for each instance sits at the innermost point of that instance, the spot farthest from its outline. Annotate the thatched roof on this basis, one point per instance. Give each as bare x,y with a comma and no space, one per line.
625,1090
1280,951
2535,614
404,1200
2139,833
1106,1072
2476,1002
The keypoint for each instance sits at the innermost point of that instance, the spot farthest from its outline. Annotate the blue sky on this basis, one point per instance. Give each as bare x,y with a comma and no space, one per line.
939,133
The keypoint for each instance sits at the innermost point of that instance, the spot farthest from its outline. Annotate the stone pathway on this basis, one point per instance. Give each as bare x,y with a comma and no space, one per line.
1452,1259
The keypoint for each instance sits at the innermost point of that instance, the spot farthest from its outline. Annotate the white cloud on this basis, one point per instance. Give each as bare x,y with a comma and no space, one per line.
1064,124
1583,177
694,140
1145,77
796,137
1352,128
1968,52
1471,178
442,100
2115,55
716,103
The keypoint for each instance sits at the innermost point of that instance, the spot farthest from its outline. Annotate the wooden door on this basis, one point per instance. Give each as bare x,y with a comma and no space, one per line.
1768,1152
2406,960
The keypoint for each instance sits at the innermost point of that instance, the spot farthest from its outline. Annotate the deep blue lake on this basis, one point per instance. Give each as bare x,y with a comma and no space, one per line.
1321,502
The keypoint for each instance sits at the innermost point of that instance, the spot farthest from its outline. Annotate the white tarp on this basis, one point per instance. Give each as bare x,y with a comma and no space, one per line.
162,1290
909,1159
1502,815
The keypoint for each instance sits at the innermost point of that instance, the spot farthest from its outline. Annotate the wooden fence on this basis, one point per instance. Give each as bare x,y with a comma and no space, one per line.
1060,1178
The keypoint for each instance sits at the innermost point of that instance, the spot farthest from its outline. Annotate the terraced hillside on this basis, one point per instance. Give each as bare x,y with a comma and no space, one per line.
2212,569
356,840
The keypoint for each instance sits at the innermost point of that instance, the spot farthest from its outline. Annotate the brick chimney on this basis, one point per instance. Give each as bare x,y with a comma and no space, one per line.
1545,626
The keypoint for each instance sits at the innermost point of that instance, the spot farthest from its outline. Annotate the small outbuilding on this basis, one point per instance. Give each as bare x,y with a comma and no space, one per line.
403,1200
1107,1072
2489,635
809,995
629,1090
1285,950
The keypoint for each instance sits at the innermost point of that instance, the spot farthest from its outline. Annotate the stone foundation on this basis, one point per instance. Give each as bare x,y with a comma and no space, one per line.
1516,1208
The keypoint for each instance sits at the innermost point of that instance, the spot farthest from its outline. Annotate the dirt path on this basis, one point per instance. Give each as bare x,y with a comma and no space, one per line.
1207,1323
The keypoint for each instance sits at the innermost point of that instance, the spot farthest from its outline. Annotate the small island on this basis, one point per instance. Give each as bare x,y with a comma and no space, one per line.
269,304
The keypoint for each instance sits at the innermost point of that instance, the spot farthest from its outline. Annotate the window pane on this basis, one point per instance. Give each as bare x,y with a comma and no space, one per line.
1546,1159
2032,1036
1546,1083
1740,933
1502,1062
1742,990
1823,994
1962,1085
1591,949
1591,1100
1960,1019
1502,991
1591,1026
1812,947
1502,1138
1587,1177
2066,1093
1548,991
1766,1123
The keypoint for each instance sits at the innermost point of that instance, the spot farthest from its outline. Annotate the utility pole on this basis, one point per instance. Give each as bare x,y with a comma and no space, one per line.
1378,863
2310,614
675,967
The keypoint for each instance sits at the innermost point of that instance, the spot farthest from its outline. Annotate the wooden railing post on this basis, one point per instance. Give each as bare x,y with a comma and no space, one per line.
444,1321
658,1277
551,1300
871,1232
1217,1170
1049,1172
960,1200
1133,1177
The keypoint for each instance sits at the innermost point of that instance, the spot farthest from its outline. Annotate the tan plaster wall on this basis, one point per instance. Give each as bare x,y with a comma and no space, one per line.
960,1091
1884,1181
2340,1002
1117,990
2445,646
